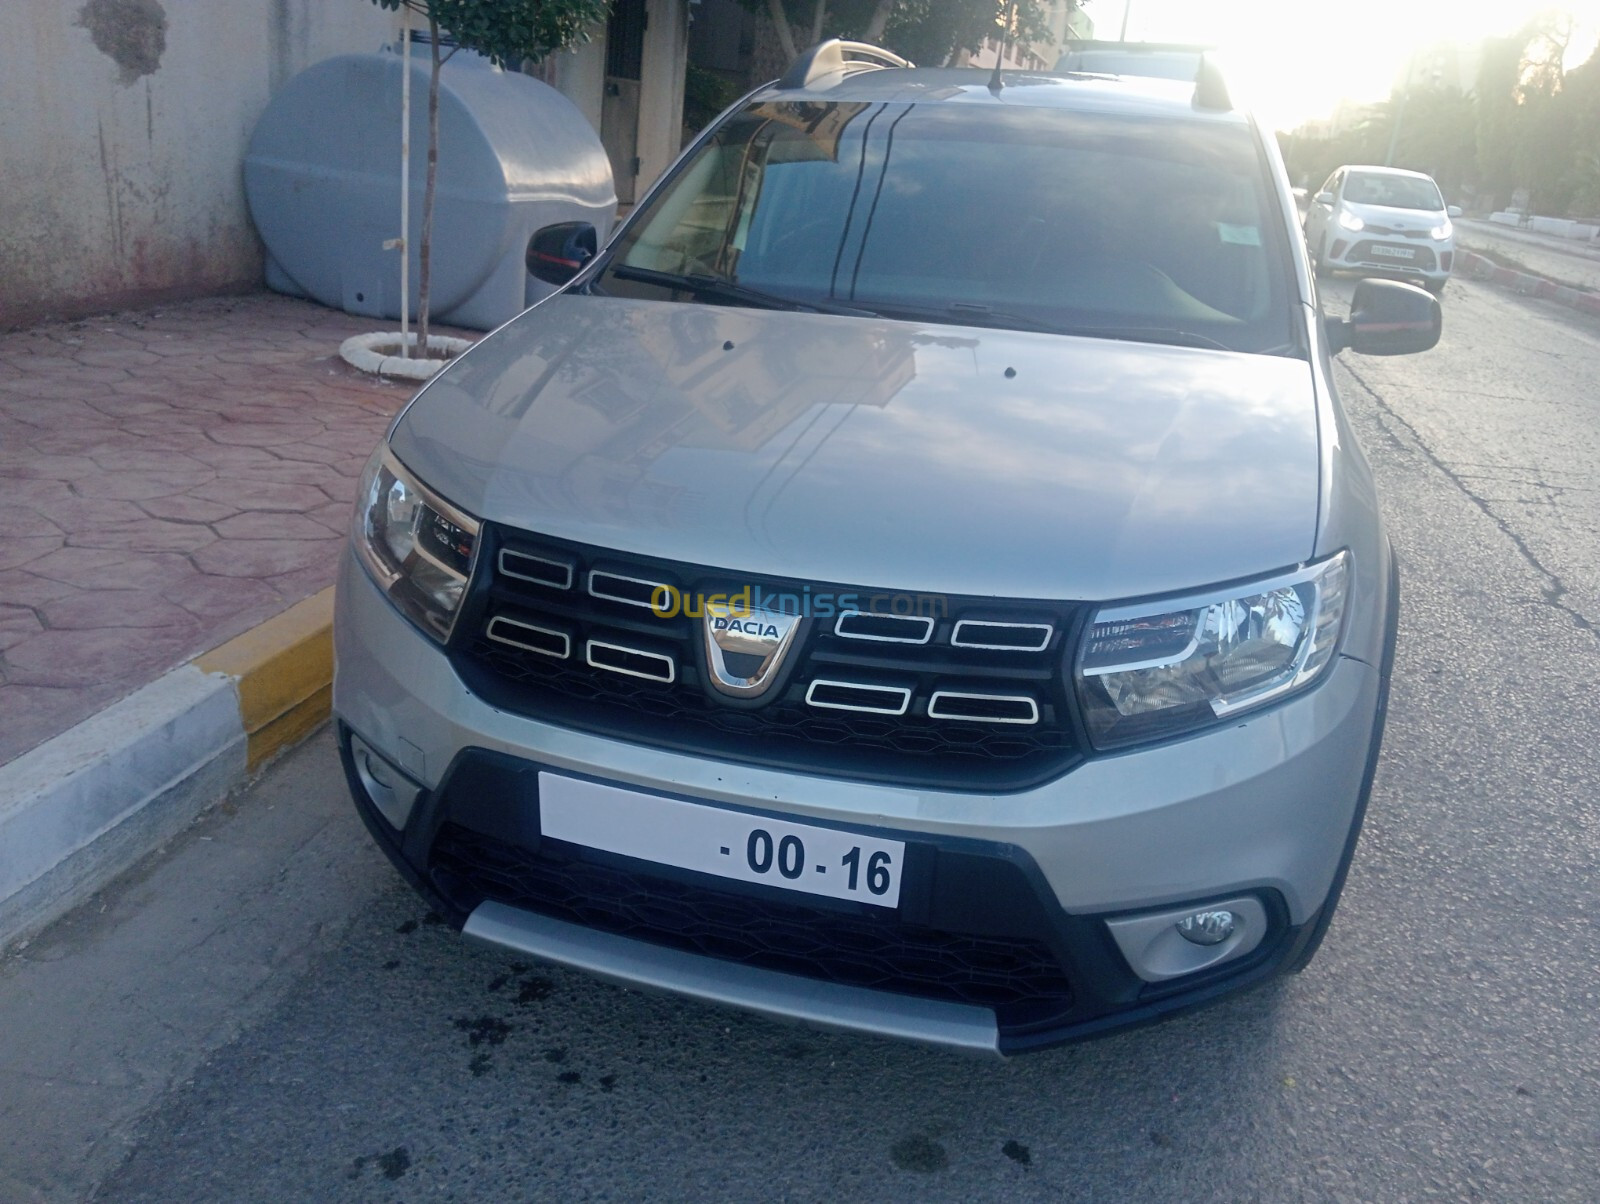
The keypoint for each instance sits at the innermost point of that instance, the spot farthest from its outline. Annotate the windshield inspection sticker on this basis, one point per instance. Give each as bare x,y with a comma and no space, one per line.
1242,236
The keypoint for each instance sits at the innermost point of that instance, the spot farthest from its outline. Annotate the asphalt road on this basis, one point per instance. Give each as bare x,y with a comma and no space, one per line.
324,1040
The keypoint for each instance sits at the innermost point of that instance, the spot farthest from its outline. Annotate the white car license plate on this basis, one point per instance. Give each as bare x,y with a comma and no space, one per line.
1395,252
715,840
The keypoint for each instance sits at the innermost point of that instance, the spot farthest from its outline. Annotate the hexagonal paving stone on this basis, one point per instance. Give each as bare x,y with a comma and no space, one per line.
95,609
271,525
16,624
264,557
83,658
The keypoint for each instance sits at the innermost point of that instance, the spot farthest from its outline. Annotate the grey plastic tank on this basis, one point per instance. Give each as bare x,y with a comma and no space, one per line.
322,177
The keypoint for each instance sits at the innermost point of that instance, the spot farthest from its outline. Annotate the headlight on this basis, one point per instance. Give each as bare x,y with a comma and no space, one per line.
1152,670
1442,231
1350,221
417,546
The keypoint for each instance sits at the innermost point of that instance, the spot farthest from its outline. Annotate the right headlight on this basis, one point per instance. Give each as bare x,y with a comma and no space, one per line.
417,546
1151,670
1351,222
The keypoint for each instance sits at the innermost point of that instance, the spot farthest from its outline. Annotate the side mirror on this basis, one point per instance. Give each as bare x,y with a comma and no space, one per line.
1324,198
1387,318
1453,211
557,253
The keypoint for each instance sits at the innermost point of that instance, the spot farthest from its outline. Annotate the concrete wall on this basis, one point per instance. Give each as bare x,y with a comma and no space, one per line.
666,51
123,124
580,76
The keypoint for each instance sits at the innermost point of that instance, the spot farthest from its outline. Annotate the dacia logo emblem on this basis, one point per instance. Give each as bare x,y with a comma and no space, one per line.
745,648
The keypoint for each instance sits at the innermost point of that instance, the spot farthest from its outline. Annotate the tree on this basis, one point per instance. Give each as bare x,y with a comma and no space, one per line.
925,31
506,32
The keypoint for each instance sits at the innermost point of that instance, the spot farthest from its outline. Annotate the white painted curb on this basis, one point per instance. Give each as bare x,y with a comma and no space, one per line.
86,805
374,353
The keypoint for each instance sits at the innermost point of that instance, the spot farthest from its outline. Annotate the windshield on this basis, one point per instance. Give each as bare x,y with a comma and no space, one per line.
1397,192
1030,218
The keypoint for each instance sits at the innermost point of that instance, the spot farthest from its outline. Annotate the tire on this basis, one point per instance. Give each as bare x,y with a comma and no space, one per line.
1436,287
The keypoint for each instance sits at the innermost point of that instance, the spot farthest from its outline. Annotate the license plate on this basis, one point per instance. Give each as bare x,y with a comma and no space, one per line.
714,840
1395,252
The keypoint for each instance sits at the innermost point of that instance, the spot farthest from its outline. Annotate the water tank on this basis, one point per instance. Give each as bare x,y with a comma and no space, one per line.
322,177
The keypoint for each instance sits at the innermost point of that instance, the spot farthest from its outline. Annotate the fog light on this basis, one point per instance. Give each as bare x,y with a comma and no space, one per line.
391,792
1172,942
1207,927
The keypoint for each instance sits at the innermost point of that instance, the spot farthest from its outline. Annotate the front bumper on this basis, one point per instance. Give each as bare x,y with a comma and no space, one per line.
1402,258
1267,808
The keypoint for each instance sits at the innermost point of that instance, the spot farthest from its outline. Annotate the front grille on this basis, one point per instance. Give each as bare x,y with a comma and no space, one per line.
1019,978
961,694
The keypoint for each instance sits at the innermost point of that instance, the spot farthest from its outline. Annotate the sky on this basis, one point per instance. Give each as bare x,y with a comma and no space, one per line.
1296,60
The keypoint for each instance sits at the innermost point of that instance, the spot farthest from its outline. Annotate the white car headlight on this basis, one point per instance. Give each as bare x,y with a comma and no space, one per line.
417,546
1442,231
1156,669
1350,221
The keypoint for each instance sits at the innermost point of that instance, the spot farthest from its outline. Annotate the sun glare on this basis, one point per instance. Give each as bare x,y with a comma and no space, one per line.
1296,61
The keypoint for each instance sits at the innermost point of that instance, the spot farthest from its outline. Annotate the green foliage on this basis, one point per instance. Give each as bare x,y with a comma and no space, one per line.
932,31
705,94
927,32
1527,126
508,31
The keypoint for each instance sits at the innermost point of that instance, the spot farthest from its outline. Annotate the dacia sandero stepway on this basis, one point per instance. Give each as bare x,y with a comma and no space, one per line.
915,577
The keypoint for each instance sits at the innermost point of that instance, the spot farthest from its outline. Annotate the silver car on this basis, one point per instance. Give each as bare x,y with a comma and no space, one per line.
916,578
1383,220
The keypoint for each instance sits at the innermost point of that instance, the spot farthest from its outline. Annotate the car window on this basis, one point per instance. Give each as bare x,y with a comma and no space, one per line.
1397,192
1024,217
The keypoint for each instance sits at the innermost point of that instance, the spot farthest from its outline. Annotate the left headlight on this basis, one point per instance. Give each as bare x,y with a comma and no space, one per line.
1152,670
1350,221
417,546
1442,231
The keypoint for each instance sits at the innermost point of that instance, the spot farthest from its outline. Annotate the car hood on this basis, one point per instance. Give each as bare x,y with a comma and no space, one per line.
855,451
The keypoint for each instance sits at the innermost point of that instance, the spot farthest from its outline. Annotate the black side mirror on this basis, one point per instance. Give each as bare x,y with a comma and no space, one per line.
557,253
1387,318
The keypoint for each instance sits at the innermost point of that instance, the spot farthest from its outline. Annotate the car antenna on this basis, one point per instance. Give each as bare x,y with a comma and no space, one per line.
995,83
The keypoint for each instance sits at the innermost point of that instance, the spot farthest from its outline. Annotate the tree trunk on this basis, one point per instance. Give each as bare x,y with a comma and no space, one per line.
818,16
879,22
425,246
780,22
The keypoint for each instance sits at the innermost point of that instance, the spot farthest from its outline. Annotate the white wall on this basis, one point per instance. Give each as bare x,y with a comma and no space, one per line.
580,76
666,52
120,175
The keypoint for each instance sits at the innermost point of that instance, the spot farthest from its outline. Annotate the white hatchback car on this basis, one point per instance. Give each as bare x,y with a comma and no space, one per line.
1383,219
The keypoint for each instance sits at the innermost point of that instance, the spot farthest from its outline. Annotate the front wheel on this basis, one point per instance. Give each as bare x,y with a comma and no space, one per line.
1436,287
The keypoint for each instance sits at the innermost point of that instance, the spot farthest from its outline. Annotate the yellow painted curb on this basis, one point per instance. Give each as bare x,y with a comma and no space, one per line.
284,670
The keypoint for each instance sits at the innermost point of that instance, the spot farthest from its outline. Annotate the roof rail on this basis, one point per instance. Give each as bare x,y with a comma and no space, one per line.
828,58
1210,87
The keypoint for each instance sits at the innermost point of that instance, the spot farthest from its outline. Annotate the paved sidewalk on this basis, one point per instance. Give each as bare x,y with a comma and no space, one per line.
170,478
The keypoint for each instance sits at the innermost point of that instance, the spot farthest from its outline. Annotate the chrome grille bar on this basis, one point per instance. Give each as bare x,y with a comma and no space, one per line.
965,707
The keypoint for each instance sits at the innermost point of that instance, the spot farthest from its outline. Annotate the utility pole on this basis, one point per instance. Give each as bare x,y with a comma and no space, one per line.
1127,7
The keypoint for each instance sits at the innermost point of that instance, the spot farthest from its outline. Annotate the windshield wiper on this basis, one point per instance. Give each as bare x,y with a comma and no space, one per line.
717,286
1149,334
972,314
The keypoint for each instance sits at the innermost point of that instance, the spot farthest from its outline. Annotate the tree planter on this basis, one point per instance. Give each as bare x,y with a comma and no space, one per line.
380,354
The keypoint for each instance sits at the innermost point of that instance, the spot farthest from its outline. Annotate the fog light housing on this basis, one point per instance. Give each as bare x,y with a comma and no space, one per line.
1207,927
1175,941
391,792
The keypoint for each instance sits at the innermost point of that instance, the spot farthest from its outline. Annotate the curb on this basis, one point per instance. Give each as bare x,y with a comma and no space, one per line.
86,805
1528,285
